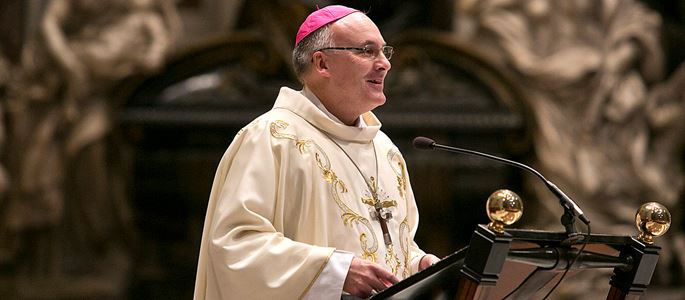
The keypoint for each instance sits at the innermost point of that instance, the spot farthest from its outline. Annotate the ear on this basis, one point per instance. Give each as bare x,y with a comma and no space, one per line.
320,64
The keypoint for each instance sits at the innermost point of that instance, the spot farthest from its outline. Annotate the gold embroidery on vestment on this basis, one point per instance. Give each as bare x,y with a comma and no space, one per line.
337,187
398,166
366,254
391,259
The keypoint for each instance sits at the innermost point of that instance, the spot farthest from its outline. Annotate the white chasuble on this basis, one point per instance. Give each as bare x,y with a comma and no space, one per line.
294,186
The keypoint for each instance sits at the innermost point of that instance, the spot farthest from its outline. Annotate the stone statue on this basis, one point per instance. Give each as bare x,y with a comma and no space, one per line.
95,42
606,130
66,211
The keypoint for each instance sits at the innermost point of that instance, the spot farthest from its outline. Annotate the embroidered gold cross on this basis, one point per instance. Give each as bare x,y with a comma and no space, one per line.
381,210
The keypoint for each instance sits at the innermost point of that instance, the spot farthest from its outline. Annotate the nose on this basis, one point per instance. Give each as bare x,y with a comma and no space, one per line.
382,63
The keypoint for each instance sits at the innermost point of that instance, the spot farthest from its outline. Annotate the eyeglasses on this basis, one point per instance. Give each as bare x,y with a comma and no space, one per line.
366,51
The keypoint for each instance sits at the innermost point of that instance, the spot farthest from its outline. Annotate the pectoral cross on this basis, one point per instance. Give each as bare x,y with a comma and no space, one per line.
381,210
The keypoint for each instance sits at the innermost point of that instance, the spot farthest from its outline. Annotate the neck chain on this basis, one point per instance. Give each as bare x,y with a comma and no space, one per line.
372,184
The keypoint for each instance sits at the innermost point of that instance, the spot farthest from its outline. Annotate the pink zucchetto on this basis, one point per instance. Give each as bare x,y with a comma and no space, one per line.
321,17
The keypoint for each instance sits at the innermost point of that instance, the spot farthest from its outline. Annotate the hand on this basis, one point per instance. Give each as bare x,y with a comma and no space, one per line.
427,261
364,278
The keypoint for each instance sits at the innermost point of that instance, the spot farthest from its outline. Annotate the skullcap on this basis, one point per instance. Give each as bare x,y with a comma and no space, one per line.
320,18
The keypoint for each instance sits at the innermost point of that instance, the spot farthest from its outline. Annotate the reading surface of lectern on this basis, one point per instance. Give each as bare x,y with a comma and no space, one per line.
517,264
520,263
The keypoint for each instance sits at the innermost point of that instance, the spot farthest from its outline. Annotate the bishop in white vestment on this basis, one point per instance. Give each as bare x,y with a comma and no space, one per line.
284,198
297,196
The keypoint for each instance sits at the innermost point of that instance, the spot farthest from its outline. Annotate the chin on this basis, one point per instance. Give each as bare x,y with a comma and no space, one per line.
377,98
380,101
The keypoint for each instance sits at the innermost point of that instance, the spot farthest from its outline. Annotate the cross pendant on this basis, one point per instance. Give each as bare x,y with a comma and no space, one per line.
382,215
380,211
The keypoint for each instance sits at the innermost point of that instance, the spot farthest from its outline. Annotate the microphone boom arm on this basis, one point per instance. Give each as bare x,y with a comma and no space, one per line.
570,207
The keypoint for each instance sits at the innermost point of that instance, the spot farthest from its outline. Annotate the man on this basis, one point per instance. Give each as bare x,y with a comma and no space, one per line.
311,200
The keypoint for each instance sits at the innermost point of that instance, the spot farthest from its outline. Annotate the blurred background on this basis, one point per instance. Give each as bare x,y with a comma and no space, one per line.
114,115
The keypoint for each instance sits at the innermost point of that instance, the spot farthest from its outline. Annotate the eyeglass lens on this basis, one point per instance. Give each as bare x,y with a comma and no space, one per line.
387,51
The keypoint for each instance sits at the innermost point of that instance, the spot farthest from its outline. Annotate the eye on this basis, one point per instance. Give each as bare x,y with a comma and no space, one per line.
370,52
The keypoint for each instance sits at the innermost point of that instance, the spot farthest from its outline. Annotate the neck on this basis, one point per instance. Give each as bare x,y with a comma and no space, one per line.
334,105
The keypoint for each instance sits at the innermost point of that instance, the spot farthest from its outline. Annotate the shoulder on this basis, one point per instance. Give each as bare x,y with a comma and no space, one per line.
382,140
386,146
382,137
273,128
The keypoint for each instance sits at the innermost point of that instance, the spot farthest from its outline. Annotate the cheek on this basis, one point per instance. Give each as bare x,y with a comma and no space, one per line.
352,74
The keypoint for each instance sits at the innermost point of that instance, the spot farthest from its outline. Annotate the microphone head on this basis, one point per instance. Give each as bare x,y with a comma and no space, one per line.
423,143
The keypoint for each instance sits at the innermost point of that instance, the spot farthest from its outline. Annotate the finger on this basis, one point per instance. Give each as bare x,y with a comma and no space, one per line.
365,292
427,261
387,282
387,277
366,289
377,284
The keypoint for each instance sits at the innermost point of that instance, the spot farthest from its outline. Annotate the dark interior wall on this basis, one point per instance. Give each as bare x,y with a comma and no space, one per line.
673,30
12,15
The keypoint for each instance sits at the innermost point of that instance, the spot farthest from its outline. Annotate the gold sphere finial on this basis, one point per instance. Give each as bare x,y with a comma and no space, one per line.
652,219
504,207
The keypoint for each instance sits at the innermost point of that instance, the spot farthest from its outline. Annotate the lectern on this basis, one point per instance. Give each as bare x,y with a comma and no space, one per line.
517,264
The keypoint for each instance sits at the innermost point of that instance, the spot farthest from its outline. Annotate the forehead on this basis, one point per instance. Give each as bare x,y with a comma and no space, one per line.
356,28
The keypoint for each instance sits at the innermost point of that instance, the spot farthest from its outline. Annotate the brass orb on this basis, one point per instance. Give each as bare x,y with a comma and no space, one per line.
652,219
504,207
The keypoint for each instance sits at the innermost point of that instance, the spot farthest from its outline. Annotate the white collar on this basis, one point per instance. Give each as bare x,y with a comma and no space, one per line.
296,102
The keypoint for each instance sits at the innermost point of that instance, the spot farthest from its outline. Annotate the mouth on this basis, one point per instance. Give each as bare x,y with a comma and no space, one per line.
375,81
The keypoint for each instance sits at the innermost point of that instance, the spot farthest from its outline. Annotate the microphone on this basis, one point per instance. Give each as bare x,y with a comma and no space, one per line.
424,143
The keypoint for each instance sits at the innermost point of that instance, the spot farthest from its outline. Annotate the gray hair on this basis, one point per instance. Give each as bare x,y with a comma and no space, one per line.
302,54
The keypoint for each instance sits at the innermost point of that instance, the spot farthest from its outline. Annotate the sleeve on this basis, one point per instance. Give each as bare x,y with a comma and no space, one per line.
329,284
242,255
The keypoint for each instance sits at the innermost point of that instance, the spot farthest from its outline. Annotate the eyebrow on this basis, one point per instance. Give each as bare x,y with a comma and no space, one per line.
370,42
